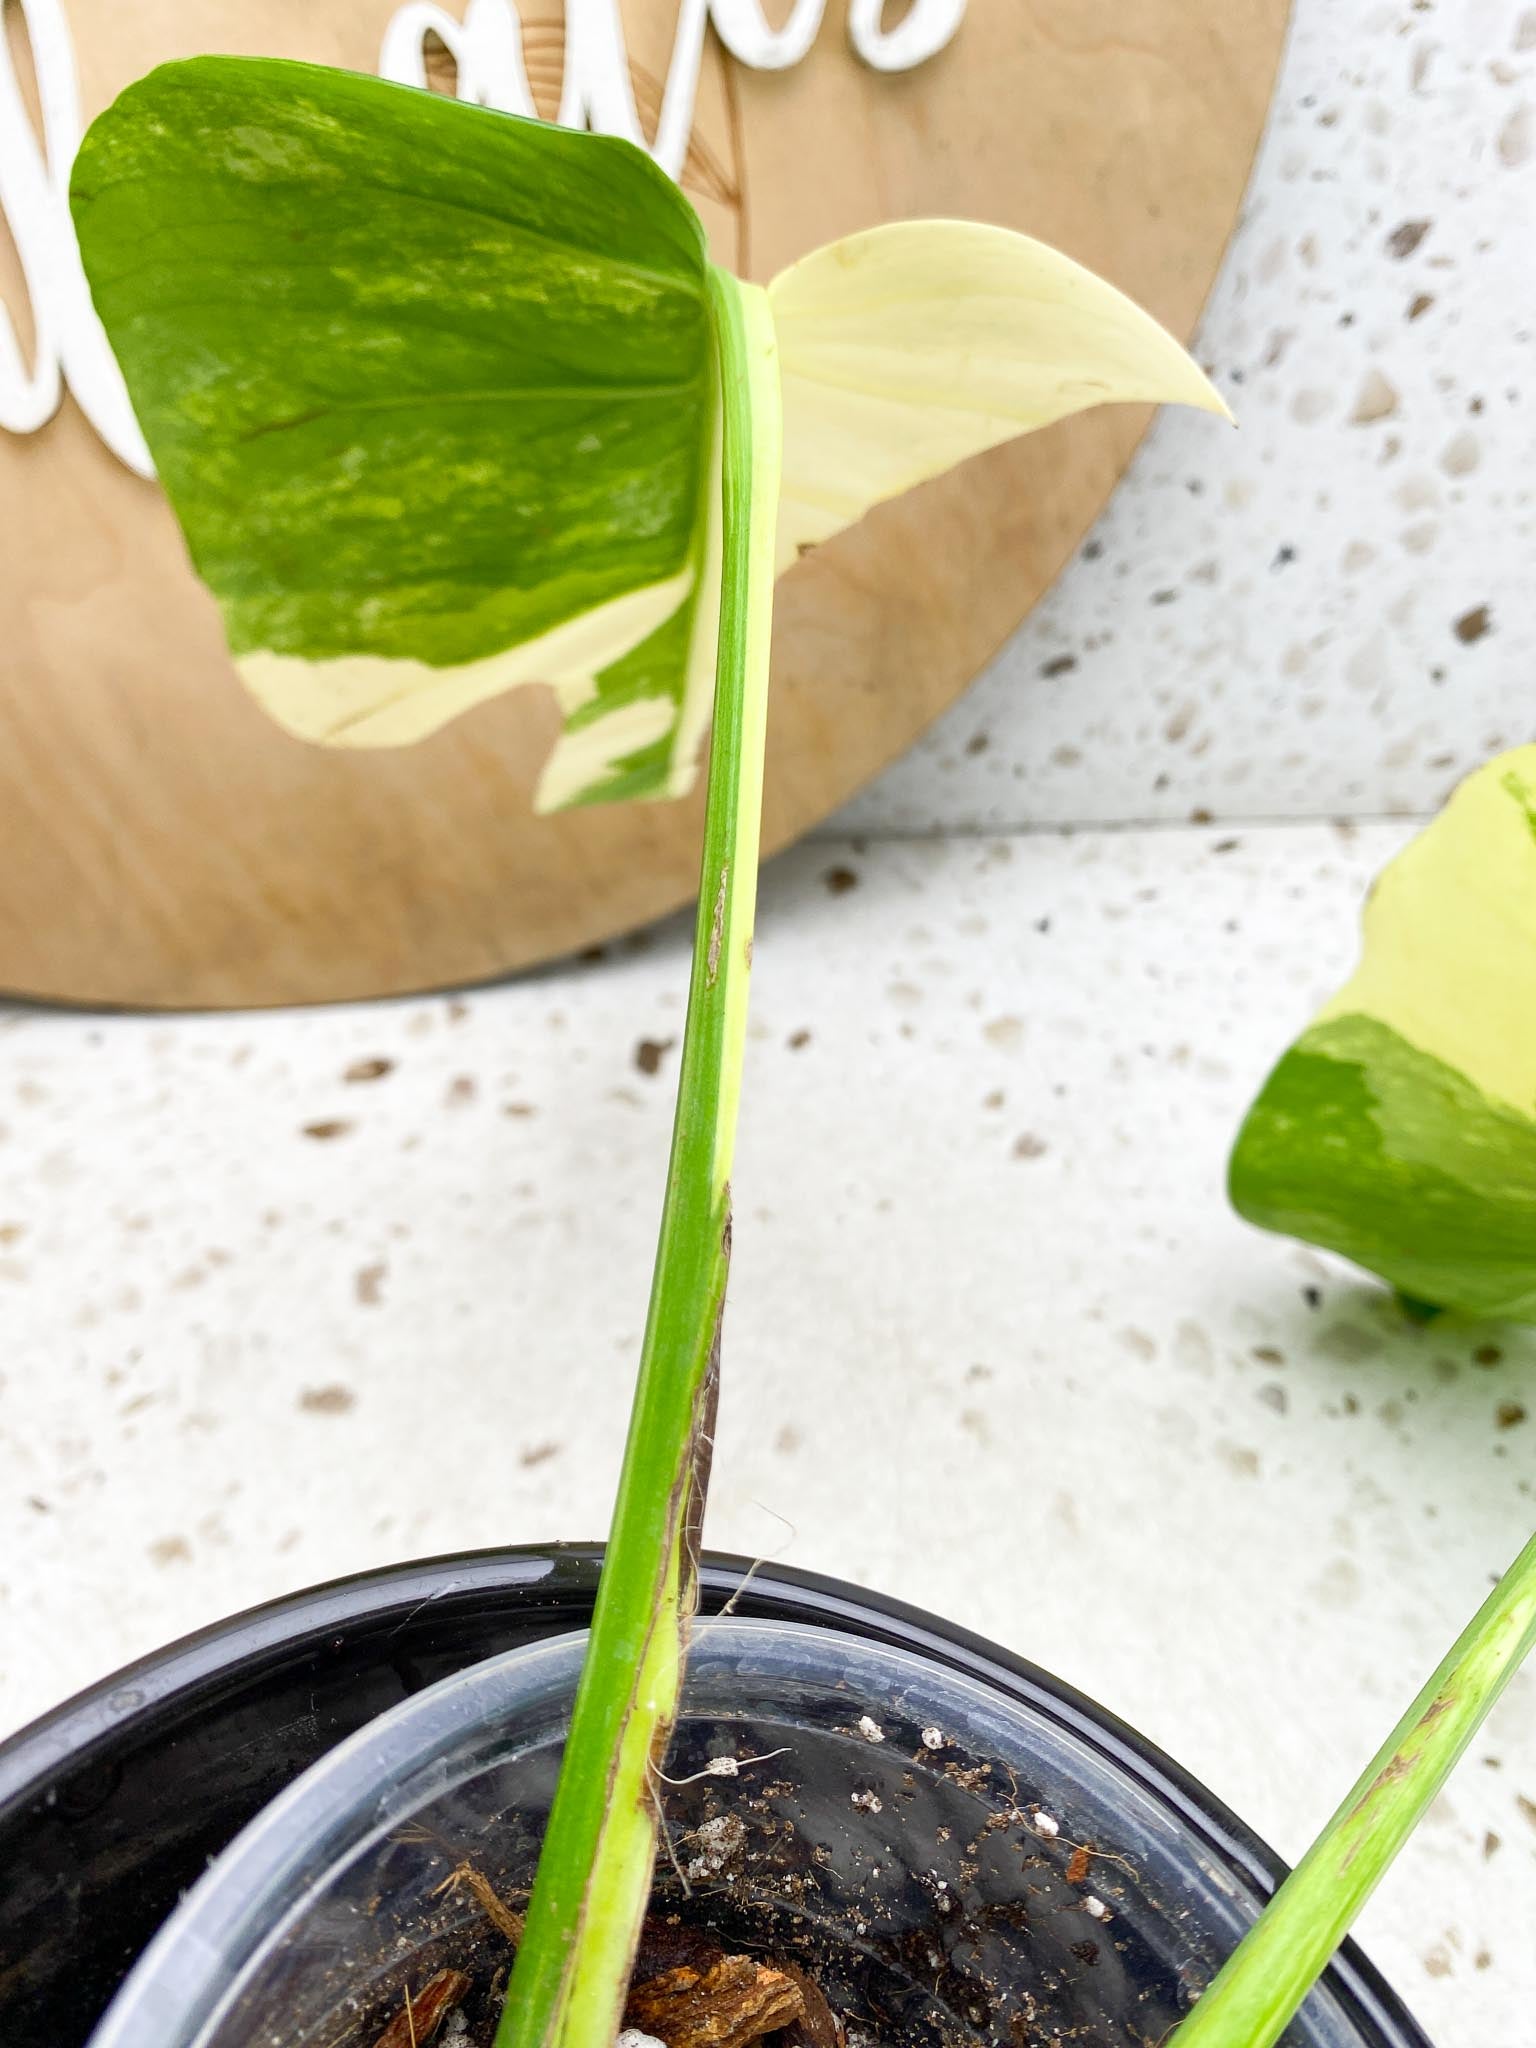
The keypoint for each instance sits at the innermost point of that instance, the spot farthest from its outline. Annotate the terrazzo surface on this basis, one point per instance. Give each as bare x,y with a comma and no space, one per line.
292,1295
1325,612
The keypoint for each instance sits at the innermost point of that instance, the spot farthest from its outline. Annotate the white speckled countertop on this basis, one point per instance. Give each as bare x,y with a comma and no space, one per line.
251,1266
1326,612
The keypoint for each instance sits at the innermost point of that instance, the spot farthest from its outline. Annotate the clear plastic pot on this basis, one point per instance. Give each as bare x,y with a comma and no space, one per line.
952,1861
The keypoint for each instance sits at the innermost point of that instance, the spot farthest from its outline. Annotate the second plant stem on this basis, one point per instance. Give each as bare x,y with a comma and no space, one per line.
595,1870
1253,1998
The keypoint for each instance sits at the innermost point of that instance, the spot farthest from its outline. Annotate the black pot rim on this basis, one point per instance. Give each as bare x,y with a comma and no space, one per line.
67,1737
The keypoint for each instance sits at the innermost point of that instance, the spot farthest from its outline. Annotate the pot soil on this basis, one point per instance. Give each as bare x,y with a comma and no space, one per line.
949,1849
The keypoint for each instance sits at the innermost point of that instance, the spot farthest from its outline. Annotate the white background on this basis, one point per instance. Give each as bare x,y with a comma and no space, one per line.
1052,1389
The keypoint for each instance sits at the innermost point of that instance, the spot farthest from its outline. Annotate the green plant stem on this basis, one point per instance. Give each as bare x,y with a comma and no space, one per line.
595,1869
1275,1965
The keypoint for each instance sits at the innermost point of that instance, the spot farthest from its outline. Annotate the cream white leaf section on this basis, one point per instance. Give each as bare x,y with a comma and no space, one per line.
910,347
366,700
1449,959
583,759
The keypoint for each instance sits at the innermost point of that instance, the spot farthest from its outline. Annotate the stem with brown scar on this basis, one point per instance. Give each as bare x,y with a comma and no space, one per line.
594,1876
1256,1994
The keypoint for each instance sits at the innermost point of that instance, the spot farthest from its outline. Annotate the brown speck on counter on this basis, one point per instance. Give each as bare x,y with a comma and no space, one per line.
327,1127
1243,1461
798,1040
368,1284
334,1399
1179,724
649,1053
1059,664
369,1070
1517,137
462,1089
1472,625
1510,1414
1028,1146
538,1454
170,1550
839,880
1406,237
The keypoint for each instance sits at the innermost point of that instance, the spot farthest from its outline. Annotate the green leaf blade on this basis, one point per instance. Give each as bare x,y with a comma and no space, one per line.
1400,1128
425,383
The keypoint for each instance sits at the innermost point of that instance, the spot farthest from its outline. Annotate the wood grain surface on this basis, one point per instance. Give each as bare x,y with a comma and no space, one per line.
161,844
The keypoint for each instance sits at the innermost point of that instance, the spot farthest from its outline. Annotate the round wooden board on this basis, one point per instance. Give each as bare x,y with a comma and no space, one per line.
161,844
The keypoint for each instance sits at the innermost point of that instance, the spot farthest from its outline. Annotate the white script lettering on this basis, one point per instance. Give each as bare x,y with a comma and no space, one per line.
34,199
486,45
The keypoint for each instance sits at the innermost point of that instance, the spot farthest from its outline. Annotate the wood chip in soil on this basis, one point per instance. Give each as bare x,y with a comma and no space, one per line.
732,2004
423,2012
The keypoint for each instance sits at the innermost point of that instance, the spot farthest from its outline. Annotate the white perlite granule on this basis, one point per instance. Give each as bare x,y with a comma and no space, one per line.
870,1730
633,2038
717,1841
933,1738
1044,1825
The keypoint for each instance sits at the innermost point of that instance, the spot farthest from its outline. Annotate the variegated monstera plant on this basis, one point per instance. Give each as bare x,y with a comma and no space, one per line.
448,402
434,394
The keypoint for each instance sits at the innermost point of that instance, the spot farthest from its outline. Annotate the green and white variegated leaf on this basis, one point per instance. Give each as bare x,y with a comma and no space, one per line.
1400,1128
431,390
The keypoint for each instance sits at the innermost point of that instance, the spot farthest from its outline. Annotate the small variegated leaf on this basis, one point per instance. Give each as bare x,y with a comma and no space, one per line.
1400,1128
